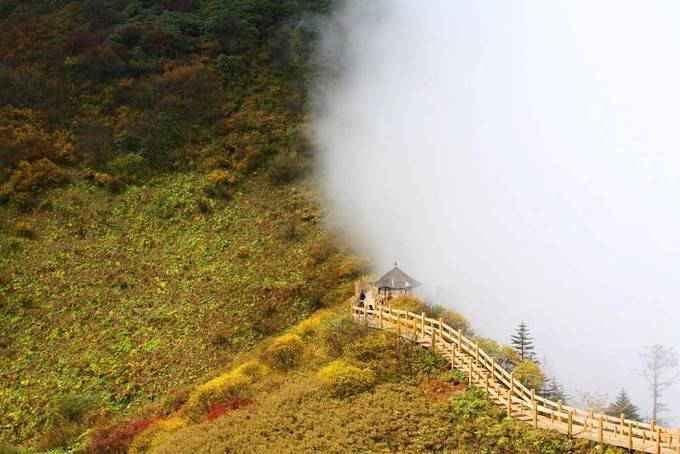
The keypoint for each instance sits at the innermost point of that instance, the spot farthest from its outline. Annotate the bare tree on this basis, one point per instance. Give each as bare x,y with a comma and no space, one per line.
660,373
596,401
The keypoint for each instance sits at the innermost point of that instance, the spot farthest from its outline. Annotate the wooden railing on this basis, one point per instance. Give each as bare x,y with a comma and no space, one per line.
505,391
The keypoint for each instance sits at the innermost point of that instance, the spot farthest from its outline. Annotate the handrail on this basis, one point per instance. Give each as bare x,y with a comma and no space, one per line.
621,431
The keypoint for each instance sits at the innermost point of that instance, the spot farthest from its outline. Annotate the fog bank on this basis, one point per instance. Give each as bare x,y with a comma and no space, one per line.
521,159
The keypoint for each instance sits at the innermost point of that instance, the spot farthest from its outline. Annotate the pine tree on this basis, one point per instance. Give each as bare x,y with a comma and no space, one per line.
623,405
522,342
554,391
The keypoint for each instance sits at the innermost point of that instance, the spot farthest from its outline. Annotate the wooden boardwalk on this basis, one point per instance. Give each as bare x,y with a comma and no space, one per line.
507,393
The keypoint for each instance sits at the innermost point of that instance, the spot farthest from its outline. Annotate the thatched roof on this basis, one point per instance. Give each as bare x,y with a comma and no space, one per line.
396,279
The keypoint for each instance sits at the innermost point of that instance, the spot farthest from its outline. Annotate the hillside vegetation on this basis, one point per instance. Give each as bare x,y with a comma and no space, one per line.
153,219
161,249
331,385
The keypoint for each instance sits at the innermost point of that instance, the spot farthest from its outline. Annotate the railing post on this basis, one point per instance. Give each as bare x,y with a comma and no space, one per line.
559,411
398,324
486,386
460,340
453,357
441,329
600,429
432,335
622,419
493,368
630,436
422,323
469,371
570,423
592,420
380,316
534,408
678,440
510,392
653,424
658,441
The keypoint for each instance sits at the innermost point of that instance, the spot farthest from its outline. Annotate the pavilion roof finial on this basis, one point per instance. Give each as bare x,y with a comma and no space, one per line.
395,263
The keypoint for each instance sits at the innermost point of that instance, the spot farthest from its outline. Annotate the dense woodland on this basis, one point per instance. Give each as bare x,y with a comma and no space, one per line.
159,231
118,91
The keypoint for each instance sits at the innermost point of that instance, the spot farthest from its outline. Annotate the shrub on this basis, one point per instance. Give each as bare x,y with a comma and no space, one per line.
118,440
71,407
312,324
472,403
508,357
67,417
154,435
284,353
456,320
285,168
340,379
529,373
129,167
215,411
409,303
222,388
335,337
25,229
219,183
32,177
107,181
490,346
457,377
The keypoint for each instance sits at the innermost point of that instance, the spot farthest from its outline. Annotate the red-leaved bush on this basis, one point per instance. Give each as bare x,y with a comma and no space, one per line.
118,440
217,410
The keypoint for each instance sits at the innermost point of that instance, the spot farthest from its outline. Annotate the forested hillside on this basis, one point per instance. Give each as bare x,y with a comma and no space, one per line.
154,220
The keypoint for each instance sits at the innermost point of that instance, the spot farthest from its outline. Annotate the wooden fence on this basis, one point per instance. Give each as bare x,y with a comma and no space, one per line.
504,390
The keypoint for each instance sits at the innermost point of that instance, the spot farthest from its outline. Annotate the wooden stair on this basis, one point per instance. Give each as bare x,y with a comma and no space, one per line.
507,393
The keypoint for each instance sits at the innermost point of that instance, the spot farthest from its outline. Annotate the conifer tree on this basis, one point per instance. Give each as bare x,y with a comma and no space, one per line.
522,342
554,391
623,405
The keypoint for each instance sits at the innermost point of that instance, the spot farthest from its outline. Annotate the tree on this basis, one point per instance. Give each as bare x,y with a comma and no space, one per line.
623,405
529,373
553,390
594,400
522,342
660,373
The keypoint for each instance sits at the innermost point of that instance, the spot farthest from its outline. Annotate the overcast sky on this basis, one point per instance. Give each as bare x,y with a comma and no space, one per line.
521,159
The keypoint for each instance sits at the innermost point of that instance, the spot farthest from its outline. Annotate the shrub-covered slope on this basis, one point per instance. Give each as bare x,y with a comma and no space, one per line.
329,385
151,224
121,298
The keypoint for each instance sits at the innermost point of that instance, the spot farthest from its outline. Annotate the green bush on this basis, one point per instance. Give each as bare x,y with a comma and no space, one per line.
457,377
284,353
340,379
68,415
472,403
